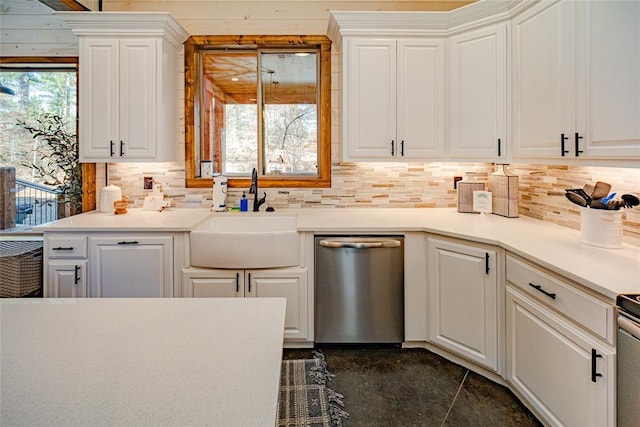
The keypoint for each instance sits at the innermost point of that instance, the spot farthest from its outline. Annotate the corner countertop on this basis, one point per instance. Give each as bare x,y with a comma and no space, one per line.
141,361
608,272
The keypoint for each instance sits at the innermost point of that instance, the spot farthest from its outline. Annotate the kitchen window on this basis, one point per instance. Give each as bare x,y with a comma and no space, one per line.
258,101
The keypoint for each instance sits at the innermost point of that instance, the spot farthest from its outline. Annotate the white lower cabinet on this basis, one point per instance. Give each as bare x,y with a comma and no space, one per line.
131,266
289,283
463,300
67,278
559,347
566,375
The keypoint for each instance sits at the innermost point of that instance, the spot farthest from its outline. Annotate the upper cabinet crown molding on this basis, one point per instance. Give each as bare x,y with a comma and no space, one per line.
130,24
383,23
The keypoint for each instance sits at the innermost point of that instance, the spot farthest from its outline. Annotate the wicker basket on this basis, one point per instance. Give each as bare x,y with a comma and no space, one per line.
20,268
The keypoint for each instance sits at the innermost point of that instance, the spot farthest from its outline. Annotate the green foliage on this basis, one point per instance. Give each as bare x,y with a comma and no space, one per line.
58,164
37,92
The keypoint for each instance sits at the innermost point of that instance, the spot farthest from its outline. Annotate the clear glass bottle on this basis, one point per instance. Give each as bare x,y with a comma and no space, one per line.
466,187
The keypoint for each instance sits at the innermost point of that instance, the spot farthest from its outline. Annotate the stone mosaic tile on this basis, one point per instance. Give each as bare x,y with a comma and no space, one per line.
406,185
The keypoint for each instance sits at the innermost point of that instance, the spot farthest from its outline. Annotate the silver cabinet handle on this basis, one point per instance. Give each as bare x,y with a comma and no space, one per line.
367,243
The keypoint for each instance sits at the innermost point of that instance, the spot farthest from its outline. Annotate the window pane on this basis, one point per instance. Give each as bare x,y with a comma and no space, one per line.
240,142
229,113
37,93
290,114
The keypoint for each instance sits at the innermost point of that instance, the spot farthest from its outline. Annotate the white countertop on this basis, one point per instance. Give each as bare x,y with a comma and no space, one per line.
138,361
134,220
609,272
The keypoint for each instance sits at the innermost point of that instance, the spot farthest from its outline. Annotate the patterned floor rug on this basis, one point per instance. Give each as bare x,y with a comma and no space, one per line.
304,398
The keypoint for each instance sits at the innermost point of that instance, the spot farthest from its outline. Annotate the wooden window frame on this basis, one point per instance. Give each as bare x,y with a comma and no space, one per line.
196,43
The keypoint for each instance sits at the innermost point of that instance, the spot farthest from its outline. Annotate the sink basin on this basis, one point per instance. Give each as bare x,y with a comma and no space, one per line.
242,241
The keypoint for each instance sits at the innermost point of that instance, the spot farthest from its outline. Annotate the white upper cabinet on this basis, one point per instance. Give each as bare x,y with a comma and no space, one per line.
393,98
477,94
543,86
611,44
576,81
128,85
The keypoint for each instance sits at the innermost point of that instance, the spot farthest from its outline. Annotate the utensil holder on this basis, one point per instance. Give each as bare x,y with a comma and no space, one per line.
601,228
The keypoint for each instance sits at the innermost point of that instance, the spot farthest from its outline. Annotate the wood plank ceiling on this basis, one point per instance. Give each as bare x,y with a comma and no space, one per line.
64,5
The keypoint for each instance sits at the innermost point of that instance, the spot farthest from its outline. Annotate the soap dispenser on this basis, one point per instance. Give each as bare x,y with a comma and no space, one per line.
244,203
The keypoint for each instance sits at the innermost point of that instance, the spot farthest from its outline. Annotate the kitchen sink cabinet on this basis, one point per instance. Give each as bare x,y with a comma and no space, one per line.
477,94
576,81
463,300
131,266
393,98
289,283
127,86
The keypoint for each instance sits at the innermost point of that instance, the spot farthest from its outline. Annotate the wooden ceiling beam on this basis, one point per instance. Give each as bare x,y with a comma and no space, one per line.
64,5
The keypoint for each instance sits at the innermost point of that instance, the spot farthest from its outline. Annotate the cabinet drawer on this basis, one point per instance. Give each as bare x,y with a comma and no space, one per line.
594,315
67,247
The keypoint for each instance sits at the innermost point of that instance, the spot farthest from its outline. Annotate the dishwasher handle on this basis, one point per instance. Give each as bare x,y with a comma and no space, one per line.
628,326
360,243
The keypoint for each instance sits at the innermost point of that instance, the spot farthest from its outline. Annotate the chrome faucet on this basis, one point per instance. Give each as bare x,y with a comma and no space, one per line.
254,190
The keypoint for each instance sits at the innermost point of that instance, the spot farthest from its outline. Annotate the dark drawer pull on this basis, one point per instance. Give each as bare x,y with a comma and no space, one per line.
539,288
76,276
594,369
249,281
237,282
61,248
130,242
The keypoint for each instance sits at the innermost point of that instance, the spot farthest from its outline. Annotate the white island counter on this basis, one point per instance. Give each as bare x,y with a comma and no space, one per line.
137,362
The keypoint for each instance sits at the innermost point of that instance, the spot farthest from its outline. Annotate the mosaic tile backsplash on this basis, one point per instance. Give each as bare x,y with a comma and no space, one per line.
404,185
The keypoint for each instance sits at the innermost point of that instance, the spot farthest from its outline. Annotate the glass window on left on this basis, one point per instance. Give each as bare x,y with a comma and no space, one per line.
38,138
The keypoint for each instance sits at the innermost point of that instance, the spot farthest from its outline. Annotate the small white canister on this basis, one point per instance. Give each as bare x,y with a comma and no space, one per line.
601,228
108,195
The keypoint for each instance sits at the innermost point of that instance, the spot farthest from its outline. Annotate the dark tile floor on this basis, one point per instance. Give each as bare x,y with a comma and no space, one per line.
415,387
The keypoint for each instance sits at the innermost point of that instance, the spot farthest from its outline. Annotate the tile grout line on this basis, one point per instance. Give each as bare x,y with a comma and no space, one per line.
454,398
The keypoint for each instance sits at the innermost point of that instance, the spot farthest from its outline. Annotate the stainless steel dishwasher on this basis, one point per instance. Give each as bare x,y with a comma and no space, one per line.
359,290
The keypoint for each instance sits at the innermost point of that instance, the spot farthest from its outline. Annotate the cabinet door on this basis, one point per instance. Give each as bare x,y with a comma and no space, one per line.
462,301
131,266
369,99
99,96
66,279
565,374
420,100
138,92
212,283
544,85
477,127
289,283
611,42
